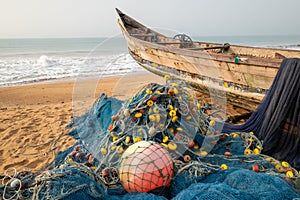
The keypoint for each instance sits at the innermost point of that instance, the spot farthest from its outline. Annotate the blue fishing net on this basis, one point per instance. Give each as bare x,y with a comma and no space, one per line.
206,164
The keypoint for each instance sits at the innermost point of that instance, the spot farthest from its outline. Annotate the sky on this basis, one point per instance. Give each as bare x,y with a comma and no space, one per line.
97,18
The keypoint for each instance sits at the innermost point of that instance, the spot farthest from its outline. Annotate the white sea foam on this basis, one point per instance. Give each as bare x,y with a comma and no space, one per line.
20,70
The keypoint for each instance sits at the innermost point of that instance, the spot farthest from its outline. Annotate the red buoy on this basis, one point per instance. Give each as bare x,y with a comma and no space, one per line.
145,166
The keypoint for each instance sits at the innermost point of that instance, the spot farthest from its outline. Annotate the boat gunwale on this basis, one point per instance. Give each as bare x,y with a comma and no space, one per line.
272,62
190,50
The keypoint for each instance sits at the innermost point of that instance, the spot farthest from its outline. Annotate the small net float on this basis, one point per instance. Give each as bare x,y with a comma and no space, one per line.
172,113
203,153
16,183
166,139
172,146
120,150
137,139
114,147
114,117
279,168
104,173
191,144
187,158
247,152
228,154
115,138
148,91
171,91
170,107
167,77
127,139
138,115
152,118
103,151
268,159
150,103
175,91
212,123
174,119
90,158
164,145
179,129
153,98
77,148
255,168
224,167
285,164
110,127
235,135
289,174
256,151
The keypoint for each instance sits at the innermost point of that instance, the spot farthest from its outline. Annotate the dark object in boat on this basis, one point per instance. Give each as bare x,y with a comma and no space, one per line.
277,119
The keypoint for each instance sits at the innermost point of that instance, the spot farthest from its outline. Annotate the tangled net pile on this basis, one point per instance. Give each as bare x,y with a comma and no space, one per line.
159,144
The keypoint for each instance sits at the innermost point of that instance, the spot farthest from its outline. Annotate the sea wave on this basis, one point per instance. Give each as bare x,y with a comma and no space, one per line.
20,70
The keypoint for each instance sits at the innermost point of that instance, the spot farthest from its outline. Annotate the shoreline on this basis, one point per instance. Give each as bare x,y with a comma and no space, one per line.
73,79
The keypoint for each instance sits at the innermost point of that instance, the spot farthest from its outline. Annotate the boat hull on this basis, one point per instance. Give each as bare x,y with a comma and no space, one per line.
242,73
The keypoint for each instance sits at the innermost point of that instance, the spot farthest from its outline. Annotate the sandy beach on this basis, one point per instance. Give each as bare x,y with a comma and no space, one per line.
34,117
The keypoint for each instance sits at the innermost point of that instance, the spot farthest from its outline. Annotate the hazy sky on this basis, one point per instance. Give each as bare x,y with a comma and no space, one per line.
96,18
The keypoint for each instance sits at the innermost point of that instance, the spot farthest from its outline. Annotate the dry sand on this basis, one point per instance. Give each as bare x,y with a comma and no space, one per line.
34,117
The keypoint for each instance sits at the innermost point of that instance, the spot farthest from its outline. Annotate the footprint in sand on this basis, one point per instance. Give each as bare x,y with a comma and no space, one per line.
20,163
34,163
27,140
11,133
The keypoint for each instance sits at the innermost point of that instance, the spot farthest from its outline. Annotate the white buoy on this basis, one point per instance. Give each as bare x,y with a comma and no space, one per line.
15,183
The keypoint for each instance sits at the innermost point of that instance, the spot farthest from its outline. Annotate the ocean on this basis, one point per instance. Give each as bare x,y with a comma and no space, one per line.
24,61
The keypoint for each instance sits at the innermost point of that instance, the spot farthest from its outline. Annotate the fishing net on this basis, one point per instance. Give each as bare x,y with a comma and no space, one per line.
159,144
277,119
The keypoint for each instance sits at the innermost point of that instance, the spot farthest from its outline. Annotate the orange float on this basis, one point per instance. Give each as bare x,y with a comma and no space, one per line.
255,168
145,166
227,153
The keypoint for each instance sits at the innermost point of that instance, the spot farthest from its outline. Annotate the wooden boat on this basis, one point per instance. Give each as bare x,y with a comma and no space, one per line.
243,73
